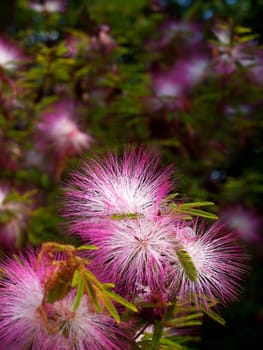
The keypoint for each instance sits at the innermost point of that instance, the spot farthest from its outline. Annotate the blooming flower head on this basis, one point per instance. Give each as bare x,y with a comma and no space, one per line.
13,217
218,265
166,84
245,222
50,6
28,322
178,81
135,254
103,40
57,130
230,51
183,76
10,54
116,185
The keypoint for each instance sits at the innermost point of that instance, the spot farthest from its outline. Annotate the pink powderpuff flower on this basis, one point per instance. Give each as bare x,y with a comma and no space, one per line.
166,84
256,71
219,263
103,40
135,254
245,222
58,132
229,52
182,77
13,219
116,185
10,54
176,83
49,6
27,322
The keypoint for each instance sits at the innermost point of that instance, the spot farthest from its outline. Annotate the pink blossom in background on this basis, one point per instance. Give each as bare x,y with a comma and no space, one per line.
229,54
256,71
13,219
245,222
50,6
28,322
10,54
58,129
113,184
58,133
178,81
166,83
219,262
103,40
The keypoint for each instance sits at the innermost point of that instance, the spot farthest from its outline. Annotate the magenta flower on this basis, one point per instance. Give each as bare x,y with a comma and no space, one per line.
245,222
166,83
230,52
10,54
50,6
181,78
103,40
58,133
13,219
218,262
116,185
174,84
26,322
135,254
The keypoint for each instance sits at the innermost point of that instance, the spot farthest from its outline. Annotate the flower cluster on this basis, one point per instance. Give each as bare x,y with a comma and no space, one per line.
146,250
119,203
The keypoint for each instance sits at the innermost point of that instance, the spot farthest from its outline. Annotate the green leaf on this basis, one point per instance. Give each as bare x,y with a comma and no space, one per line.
124,216
121,300
79,294
171,196
186,321
196,204
246,38
187,263
242,30
87,247
111,308
89,290
214,316
157,334
75,279
198,212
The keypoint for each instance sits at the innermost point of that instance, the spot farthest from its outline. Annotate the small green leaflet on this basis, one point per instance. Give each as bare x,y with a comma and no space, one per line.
187,263
157,334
